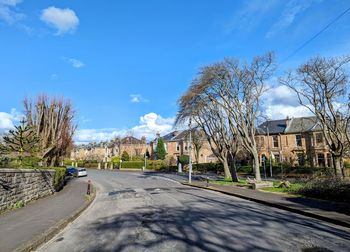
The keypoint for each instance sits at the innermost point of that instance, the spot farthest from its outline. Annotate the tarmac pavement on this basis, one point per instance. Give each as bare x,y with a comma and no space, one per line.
136,212
19,227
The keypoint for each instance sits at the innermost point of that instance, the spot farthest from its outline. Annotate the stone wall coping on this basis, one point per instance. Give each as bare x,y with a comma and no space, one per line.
22,170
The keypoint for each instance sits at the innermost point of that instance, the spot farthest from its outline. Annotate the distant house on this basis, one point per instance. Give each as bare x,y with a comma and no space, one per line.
177,144
104,151
298,141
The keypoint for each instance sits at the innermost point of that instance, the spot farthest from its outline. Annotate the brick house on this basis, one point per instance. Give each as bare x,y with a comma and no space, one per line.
176,144
104,151
298,141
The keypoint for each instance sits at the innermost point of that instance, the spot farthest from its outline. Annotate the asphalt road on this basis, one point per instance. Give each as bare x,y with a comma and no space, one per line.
134,212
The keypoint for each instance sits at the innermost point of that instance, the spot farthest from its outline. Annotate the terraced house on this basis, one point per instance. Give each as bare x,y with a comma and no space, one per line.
177,144
298,141
104,151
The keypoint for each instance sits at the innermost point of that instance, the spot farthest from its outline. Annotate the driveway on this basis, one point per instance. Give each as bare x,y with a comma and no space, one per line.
136,212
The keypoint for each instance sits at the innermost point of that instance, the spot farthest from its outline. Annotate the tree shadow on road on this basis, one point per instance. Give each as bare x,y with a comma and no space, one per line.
211,223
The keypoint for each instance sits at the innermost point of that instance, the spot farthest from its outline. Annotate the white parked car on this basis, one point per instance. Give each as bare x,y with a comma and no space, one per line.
81,172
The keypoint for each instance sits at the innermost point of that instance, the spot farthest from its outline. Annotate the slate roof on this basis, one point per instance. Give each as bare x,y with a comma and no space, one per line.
303,124
289,126
131,140
175,136
274,127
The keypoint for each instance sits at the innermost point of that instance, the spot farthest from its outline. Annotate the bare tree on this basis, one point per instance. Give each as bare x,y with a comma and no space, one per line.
210,119
53,121
237,89
322,86
199,139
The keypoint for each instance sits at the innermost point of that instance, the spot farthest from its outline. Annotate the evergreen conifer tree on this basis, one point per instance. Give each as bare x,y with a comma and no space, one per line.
20,141
125,156
161,153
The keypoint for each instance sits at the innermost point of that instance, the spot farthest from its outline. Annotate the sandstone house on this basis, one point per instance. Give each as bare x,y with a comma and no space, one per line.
298,141
177,144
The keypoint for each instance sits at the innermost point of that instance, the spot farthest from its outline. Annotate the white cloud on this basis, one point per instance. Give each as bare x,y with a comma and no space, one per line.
8,120
76,63
293,8
280,101
8,11
136,98
64,20
250,15
149,125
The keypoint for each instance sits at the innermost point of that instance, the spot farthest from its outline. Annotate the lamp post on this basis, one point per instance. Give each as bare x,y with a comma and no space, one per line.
190,155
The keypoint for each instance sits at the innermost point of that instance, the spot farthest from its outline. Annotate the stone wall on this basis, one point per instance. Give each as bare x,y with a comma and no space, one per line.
20,186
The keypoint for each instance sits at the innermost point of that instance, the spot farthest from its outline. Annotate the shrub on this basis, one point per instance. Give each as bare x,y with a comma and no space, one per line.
125,156
158,165
67,162
90,164
347,164
209,167
115,160
246,169
334,189
137,158
133,164
184,159
58,180
4,162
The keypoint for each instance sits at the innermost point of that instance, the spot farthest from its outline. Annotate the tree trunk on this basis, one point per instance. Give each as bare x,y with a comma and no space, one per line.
337,166
256,167
234,172
226,170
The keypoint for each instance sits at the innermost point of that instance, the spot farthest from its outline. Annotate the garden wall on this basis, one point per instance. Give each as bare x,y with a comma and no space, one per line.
20,186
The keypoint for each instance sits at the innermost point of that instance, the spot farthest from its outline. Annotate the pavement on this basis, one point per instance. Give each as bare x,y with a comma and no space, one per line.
144,212
25,228
333,212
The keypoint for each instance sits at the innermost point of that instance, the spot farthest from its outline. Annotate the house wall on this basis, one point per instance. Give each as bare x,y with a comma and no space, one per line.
205,153
105,154
288,150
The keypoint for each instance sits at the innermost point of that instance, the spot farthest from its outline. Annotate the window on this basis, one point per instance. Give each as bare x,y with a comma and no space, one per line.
275,141
329,160
262,141
259,141
177,147
320,160
277,158
301,159
298,140
319,138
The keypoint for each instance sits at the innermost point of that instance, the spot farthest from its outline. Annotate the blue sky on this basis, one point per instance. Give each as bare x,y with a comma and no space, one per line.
124,64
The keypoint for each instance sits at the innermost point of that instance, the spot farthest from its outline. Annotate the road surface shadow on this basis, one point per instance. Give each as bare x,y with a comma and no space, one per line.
213,223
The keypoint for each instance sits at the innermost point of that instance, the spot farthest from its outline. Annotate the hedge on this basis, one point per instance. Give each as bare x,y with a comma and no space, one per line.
133,164
334,189
158,165
58,180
